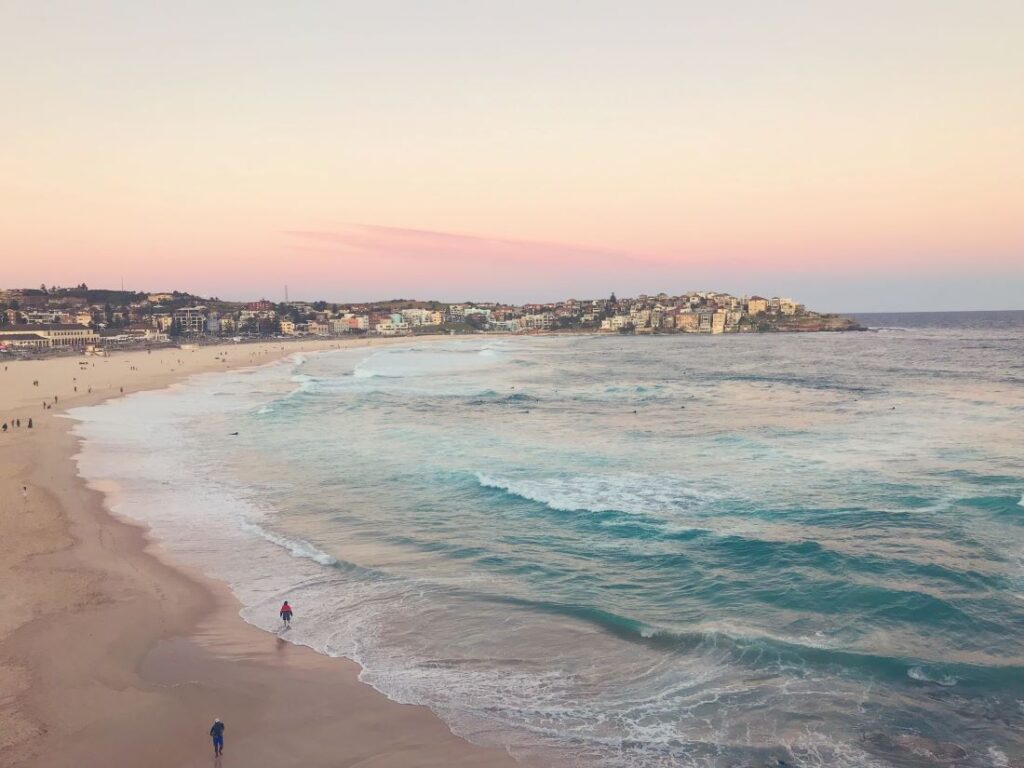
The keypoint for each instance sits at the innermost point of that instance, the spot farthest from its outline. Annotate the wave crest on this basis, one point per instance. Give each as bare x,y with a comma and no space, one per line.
632,494
923,675
296,547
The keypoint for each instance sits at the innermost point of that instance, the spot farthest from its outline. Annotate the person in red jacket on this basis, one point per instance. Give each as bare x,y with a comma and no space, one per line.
286,614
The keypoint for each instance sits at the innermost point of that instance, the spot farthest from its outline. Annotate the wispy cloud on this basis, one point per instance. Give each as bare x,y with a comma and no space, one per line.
402,261
405,244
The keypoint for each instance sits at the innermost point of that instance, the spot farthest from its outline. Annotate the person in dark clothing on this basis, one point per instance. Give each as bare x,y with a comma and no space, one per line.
217,734
286,614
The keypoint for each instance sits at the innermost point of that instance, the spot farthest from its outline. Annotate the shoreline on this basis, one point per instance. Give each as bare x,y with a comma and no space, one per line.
108,649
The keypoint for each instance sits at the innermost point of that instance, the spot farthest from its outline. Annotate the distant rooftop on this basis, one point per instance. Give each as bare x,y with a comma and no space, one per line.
23,337
56,327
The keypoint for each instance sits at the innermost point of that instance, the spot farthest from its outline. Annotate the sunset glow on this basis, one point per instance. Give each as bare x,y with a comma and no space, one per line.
867,157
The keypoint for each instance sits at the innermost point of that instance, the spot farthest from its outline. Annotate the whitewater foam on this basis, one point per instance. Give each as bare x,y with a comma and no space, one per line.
297,547
632,493
924,675
659,588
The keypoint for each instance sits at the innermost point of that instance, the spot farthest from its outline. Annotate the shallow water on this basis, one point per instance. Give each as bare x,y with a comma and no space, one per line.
632,551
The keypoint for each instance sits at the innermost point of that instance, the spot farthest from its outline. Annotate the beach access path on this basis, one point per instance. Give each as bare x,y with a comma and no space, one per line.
112,655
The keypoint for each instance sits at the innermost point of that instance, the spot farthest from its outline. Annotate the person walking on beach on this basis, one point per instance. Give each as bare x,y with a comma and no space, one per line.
217,734
286,614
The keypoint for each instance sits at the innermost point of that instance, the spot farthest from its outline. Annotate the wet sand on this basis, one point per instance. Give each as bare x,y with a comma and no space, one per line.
111,655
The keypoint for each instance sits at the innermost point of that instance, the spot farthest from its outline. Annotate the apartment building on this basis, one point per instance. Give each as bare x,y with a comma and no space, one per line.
191,320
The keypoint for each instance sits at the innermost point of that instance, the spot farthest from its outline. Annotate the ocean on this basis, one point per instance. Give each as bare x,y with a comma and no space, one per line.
739,550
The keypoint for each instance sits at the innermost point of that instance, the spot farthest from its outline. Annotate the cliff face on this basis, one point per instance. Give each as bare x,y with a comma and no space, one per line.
809,322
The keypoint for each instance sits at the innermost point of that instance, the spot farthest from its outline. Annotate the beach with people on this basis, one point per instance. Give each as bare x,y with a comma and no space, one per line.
448,522
494,385
111,651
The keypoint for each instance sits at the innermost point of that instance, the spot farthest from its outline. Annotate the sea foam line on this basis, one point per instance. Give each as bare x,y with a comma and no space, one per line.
296,547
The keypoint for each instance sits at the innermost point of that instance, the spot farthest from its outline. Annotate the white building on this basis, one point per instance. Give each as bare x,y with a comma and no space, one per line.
191,320
391,328
416,317
615,323
538,322
57,334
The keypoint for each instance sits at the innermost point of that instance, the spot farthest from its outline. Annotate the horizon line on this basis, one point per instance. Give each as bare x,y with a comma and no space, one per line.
514,303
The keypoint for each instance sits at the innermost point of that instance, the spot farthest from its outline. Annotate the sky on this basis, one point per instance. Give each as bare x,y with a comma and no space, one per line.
862,156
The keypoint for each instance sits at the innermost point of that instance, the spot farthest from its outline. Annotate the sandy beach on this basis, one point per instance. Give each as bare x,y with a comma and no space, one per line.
111,655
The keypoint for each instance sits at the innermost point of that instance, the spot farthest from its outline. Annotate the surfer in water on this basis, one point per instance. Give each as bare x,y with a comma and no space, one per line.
286,614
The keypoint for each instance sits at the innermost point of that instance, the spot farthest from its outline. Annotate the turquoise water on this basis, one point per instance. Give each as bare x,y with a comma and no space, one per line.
627,551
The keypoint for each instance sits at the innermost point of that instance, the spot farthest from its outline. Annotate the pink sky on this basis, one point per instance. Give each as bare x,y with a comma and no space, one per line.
868,157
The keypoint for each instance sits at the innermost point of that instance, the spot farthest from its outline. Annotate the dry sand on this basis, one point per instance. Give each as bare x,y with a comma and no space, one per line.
110,655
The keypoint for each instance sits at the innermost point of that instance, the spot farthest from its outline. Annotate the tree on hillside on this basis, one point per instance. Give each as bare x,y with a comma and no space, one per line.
268,327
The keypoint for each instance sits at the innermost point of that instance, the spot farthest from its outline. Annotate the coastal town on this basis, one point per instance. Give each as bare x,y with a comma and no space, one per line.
54,318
